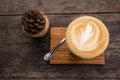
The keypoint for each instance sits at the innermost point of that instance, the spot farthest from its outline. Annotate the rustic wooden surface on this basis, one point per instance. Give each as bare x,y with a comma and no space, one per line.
21,57
63,55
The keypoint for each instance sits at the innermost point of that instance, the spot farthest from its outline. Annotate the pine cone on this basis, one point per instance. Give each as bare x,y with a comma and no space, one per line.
33,21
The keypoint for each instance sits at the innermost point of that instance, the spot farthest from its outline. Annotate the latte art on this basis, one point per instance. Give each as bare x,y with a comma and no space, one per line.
85,36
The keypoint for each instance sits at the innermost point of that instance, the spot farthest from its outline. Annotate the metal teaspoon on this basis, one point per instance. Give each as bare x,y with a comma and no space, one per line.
48,55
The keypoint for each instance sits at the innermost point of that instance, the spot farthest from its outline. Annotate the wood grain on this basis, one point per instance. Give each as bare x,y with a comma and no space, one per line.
86,78
68,6
63,55
21,57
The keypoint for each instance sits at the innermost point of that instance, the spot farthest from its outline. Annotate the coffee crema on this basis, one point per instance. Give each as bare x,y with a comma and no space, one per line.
87,37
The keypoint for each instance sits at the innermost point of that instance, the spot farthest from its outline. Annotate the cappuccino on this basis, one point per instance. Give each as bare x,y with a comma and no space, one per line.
87,37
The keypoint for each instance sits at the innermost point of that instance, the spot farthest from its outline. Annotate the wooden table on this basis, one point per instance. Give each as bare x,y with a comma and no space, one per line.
21,57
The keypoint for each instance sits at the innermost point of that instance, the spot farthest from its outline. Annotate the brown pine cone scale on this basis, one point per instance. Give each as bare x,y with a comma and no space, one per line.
33,21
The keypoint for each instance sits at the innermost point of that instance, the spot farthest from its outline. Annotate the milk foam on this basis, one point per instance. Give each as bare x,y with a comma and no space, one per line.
85,36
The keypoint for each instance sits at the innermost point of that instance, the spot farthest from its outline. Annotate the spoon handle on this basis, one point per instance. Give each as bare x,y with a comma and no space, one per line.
48,55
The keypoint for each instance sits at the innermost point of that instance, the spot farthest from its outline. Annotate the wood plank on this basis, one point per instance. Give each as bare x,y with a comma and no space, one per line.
34,52
20,55
23,59
111,73
28,66
11,25
68,6
8,34
61,78
111,23
63,55
58,70
76,73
